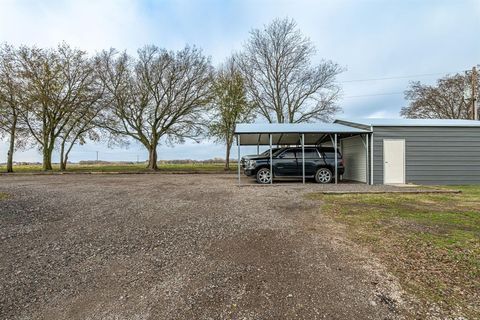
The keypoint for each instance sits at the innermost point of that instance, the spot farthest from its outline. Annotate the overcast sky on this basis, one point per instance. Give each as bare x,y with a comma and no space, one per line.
417,40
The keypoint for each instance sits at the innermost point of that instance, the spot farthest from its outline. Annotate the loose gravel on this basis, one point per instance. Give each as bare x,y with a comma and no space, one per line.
179,247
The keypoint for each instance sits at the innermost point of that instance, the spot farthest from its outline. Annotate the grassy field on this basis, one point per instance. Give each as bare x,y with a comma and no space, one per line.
431,242
113,167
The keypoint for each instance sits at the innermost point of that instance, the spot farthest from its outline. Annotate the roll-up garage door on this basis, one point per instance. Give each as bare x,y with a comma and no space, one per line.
354,155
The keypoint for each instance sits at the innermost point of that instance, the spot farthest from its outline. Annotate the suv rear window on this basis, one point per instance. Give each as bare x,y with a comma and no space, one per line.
331,154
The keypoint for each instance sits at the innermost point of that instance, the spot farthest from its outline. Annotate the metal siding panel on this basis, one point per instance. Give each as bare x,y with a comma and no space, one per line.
434,155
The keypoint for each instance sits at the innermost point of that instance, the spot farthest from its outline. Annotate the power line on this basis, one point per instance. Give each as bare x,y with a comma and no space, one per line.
375,94
401,77
392,78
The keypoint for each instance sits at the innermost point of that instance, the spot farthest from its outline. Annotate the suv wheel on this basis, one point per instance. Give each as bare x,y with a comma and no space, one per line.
323,175
264,176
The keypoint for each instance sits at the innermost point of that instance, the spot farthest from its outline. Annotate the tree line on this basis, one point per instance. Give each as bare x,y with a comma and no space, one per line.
56,98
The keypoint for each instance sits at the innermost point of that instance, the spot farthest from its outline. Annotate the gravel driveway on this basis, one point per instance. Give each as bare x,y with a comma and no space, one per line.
157,246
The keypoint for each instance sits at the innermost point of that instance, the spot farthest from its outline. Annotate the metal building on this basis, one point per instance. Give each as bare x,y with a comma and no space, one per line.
422,151
385,151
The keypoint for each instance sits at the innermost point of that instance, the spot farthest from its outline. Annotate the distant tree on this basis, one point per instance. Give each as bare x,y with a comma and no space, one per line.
281,79
450,98
230,105
159,95
10,103
57,84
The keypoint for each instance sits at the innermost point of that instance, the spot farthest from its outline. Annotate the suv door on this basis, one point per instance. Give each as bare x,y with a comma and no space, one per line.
285,164
312,161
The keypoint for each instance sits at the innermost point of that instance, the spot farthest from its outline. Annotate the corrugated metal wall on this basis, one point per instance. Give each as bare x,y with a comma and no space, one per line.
354,155
434,155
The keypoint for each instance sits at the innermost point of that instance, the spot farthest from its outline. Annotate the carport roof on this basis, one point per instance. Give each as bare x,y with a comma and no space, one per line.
289,133
243,128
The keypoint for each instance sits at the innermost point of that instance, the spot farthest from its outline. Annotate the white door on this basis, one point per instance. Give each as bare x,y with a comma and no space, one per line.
393,161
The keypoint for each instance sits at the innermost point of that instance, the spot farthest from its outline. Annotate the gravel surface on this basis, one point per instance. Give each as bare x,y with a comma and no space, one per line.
179,247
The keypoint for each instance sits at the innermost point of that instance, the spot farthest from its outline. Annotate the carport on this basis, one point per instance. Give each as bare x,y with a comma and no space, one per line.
299,134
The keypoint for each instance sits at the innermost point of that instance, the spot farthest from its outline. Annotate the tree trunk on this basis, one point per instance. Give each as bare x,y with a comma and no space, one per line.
227,158
48,145
152,158
63,165
11,147
47,158
63,158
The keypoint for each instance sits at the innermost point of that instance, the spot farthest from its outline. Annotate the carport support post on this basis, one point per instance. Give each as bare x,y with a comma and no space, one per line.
258,144
238,156
367,169
303,158
371,158
336,156
271,156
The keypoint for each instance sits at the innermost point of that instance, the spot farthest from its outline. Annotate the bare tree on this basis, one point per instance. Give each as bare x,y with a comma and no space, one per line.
56,83
230,105
84,121
159,95
450,98
281,79
10,102
83,126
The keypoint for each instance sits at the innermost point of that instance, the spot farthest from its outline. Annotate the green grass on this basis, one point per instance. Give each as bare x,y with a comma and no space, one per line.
430,241
163,167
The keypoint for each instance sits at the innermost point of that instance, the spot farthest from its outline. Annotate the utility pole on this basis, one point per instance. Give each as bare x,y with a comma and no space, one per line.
474,93
97,155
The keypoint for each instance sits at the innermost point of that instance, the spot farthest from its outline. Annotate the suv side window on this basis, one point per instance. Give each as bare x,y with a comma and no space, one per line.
288,154
309,154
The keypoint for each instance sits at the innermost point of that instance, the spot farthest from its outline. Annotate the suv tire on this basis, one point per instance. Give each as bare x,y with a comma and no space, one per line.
323,175
263,176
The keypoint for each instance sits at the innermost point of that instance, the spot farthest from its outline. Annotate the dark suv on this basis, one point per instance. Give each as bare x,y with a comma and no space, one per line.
287,162
266,153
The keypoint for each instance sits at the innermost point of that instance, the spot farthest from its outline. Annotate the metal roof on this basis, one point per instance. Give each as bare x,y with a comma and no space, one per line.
243,128
381,122
290,133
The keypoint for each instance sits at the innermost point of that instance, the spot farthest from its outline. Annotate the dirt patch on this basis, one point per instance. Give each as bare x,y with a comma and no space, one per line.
178,247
